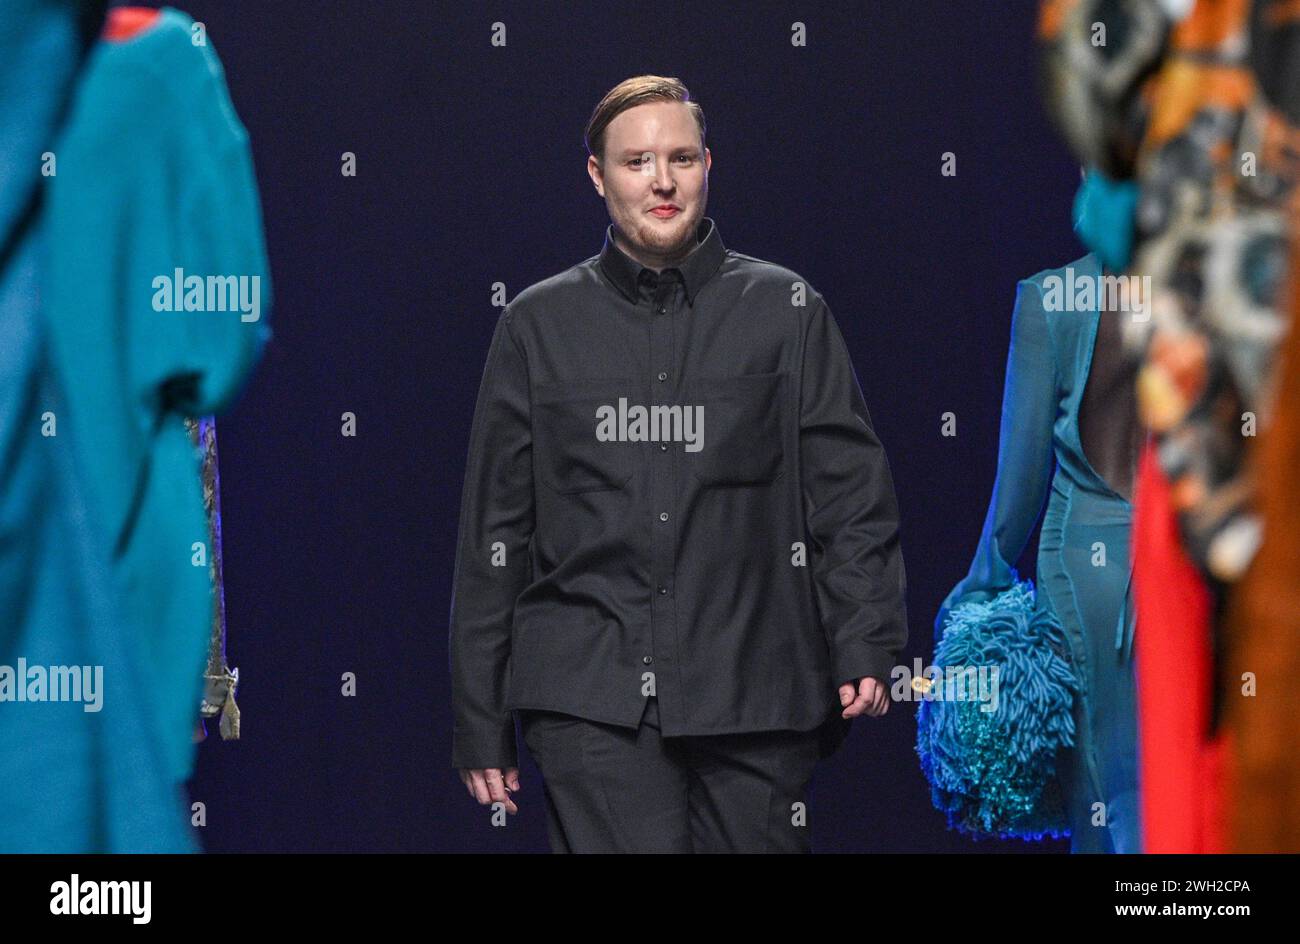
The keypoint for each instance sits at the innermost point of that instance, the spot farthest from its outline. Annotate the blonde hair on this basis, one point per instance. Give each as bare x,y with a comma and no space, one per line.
629,93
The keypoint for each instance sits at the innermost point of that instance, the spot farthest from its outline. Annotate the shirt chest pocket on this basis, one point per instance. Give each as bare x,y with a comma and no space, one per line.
570,459
743,439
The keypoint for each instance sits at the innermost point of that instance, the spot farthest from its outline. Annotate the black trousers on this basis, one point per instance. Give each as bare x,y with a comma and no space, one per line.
612,789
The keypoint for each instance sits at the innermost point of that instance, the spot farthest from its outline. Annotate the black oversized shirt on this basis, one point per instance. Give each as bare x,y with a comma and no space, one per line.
740,577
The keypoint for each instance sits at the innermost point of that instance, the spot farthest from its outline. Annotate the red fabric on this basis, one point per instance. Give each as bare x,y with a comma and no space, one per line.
1182,771
125,22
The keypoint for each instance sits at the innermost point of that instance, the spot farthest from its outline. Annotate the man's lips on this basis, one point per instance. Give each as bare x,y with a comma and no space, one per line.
665,212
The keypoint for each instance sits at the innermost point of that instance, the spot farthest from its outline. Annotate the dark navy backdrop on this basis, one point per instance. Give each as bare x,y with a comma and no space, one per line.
470,170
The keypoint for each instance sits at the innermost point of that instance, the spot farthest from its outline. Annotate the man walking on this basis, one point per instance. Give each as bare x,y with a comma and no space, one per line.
678,556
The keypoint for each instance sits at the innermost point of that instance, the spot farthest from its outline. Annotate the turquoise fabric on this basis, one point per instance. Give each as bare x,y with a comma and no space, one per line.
1041,460
98,522
1103,216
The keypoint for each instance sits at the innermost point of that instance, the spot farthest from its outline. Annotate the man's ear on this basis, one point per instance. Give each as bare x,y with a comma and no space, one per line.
596,173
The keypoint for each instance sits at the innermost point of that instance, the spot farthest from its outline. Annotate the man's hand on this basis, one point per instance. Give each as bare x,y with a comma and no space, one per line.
488,785
869,696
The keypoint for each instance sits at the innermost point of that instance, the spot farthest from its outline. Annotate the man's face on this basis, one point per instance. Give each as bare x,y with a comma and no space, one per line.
655,180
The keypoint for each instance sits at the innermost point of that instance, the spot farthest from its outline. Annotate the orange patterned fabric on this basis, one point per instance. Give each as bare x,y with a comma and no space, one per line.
1202,115
1264,634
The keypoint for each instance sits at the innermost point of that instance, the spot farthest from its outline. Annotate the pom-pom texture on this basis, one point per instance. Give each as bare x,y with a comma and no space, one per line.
994,773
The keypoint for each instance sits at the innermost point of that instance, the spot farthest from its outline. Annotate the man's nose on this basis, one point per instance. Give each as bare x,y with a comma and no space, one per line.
663,176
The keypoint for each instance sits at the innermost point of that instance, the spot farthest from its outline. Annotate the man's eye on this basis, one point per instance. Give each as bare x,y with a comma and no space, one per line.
685,158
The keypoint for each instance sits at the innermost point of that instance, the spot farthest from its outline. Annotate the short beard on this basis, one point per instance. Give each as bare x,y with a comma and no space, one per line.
651,239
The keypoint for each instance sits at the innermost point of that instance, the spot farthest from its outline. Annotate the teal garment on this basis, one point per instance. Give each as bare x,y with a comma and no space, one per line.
99,522
1041,459
1104,217
53,592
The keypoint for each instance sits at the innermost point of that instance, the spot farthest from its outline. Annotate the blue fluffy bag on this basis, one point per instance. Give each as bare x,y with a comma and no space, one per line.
994,773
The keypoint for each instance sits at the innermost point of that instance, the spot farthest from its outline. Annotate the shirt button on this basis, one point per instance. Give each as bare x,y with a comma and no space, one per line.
663,376
662,310
647,659
663,447
663,589
663,516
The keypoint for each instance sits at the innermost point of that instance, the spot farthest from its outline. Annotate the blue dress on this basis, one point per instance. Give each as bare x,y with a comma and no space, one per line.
1084,567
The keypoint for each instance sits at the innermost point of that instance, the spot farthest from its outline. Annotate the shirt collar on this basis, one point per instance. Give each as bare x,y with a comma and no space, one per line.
696,269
